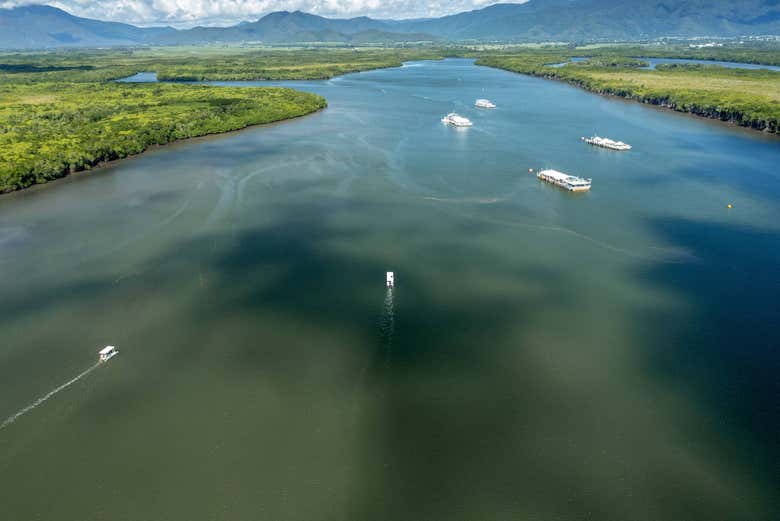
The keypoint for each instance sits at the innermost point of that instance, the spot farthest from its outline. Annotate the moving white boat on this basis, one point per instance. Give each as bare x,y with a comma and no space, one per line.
604,142
456,120
390,279
569,182
107,352
485,104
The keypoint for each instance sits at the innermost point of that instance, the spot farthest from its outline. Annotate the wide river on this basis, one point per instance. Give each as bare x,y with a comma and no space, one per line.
608,356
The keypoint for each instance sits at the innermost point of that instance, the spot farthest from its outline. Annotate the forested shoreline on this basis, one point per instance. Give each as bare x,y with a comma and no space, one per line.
748,98
62,112
56,130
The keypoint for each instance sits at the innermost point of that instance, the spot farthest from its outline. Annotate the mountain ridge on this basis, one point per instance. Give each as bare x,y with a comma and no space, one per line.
41,26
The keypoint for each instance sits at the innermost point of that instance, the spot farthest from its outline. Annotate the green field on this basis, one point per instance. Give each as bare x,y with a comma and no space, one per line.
744,97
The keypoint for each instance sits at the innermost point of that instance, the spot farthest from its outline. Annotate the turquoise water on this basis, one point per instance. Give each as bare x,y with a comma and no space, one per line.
609,355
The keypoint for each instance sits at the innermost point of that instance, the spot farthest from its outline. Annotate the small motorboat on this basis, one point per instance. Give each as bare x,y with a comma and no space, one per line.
107,352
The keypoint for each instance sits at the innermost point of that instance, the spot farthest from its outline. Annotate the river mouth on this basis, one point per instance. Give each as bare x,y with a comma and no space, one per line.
542,353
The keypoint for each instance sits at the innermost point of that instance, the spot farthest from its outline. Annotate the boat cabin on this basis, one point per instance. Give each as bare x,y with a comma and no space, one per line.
107,352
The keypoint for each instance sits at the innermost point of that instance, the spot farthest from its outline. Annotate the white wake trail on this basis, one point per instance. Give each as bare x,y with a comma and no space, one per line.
42,399
387,325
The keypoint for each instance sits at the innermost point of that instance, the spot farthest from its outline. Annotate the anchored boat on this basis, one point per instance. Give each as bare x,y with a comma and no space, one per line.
604,142
456,120
569,182
485,104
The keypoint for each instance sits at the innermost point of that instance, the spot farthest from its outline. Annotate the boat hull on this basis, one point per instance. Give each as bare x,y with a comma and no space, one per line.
567,182
456,124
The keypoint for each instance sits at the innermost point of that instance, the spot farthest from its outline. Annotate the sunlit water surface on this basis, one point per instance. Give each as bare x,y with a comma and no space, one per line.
611,355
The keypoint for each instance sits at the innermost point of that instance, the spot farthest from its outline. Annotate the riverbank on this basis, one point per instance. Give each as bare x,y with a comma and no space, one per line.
748,98
53,130
64,113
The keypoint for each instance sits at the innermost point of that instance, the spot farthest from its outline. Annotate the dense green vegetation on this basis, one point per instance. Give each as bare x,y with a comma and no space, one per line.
199,64
61,113
744,97
759,53
52,129
287,65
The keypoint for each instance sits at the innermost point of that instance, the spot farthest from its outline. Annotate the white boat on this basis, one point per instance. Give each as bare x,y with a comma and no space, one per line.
456,120
485,104
569,182
390,279
604,142
107,352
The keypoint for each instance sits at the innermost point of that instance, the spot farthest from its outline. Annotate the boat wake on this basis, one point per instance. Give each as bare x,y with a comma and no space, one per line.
387,324
8,421
468,200
660,254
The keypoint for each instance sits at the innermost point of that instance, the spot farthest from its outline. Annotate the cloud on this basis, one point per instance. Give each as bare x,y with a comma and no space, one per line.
224,12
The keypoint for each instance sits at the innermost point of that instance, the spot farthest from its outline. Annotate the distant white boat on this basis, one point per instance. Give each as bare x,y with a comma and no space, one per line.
604,142
569,182
390,279
485,104
456,120
107,352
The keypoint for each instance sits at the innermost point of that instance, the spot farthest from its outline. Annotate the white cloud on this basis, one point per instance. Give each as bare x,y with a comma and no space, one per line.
223,12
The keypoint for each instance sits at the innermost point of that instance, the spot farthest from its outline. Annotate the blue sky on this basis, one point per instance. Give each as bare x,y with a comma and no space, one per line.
223,12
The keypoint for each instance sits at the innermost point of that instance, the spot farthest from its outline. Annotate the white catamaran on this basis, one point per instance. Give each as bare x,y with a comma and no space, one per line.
456,120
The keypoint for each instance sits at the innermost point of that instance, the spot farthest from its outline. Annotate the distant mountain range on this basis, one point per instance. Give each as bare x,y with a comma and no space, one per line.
39,26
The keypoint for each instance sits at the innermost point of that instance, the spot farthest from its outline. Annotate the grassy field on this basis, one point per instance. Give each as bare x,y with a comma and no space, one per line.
60,112
749,98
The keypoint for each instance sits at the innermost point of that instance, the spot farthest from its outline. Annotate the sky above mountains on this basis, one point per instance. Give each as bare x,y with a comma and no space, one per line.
187,13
